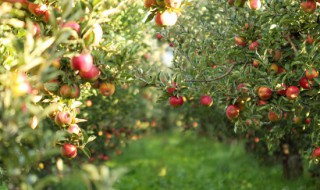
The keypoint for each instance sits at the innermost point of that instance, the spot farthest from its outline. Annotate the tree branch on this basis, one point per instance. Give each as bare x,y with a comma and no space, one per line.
292,44
216,78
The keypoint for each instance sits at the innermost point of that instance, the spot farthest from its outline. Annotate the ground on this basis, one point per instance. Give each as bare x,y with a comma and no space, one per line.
182,161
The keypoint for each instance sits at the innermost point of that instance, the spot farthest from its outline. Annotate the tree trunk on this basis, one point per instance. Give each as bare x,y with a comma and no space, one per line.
292,162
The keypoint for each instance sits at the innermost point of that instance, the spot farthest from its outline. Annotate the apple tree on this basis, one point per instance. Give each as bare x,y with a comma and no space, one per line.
62,65
257,60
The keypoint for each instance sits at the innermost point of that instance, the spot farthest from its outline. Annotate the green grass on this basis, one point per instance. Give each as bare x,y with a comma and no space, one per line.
175,161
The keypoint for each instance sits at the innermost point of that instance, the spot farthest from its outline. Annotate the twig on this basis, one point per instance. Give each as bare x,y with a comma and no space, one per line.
292,44
216,78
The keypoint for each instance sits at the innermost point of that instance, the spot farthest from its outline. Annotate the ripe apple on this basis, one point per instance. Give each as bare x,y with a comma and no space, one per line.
171,44
281,70
172,89
176,101
74,129
73,25
159,36
316,152
309,39
88,103
240,41
91,75
281,89
311,73
254,45
264,93
206,100
68,151
261,103
232,112
255,63
46,16
173,3
274,68
107,89
254,4
149,3
231,2
82,62
256,139
37,9
308,6
272,116
67,91
242,88
307,121
305,83
296,120
292,92
63,119
166,18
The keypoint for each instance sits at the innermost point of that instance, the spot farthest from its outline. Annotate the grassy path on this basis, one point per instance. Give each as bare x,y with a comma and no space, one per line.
174,161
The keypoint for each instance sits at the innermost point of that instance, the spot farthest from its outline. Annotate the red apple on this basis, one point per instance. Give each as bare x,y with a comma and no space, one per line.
296,120
240,41
73,25
82,62
67,91
172,89
255,63
91,75
206,101
37,9
261,103
305,83
171,44
231,2
281,89
166,18
307,121
46,16
107,89
159,36
176,101
264,93
173,3
292,92
63,119
316,152
254,45
309,39
149,3
281,70
68,151
232,112
74,129
242,88
272,116
311,73
254,4
308,6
